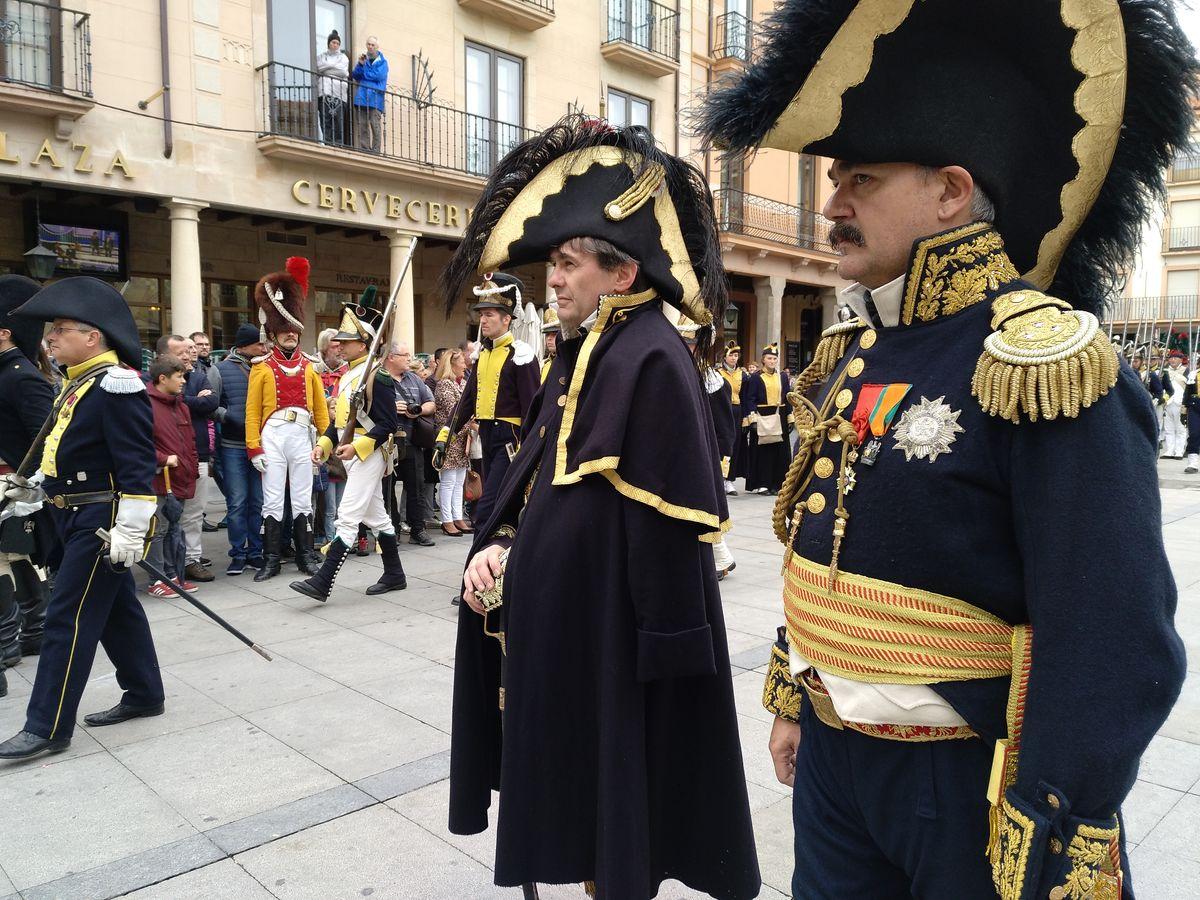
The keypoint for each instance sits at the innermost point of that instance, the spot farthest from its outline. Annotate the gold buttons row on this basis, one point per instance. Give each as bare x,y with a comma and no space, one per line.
823,467
867,341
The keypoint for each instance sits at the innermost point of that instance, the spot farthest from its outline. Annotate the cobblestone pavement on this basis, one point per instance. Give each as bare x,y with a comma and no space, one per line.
324,773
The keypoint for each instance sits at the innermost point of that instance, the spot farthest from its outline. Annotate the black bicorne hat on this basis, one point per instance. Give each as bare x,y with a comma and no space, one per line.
95,302
1066,112
585,178
499,290
26,332
360,321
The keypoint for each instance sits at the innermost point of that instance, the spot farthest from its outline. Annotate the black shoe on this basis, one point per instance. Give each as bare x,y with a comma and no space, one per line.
420,538
208,527
121,713
236,567
320,586
26,745
224,523
255,562
308,560
205,561
393,571
271,540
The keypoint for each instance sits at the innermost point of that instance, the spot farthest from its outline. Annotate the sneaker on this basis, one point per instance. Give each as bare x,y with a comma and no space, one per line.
404,529
420,538
189,586
161,589
236,567
256,562
224,523
361,548
198,571
208,527
205,561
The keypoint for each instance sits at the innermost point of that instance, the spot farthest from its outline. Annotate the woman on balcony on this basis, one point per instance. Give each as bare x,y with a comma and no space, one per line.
333,67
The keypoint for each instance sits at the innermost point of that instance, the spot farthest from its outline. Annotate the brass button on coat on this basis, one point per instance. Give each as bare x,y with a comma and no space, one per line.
815,504
867,341
542,431
1053,800
1059,893
1055,846
562,400
855,368
824,467
843,398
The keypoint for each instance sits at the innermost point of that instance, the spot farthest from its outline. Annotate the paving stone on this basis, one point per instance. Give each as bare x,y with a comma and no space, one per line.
1163,876
272,824
185,707
79,814
1145,807
1170,762
130,873
224,880
429,807
1184,722
243,681
350,734
1178,832
425,694
349,657
12,720
377,853
425,635
224,771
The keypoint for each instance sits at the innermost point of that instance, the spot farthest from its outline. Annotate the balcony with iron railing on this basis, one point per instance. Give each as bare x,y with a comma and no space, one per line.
771,220
1162,310
45,61
1186,239
528,15
735,39
303,115
642,35
1186,167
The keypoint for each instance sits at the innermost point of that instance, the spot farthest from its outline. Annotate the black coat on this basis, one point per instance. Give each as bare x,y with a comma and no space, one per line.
621,761
25,401
725,424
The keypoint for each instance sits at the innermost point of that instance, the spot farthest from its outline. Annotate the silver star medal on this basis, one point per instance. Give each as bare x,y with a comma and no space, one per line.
928,429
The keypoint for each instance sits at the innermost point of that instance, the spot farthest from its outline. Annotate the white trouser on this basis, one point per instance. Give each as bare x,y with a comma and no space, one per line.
288,449
450,494
362,501
1174,434
191,520
1159,410
722,558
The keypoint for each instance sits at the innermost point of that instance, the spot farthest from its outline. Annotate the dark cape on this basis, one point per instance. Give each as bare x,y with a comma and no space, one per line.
621,761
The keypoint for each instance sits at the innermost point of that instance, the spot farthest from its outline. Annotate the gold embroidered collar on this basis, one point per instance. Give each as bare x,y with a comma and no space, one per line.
953,270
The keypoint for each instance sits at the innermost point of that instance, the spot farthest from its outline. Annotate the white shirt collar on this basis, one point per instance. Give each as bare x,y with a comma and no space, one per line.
887,299
584,327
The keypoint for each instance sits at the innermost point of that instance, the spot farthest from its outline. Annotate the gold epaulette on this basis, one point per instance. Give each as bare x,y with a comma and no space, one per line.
832,346
1042,360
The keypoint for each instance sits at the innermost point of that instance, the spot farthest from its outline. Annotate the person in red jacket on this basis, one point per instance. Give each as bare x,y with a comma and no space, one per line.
175,453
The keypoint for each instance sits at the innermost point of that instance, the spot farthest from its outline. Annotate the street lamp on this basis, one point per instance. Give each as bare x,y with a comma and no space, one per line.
40,262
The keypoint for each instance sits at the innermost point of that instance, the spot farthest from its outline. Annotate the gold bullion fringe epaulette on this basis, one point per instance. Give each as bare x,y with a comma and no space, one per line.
1043,360
781,694
835,340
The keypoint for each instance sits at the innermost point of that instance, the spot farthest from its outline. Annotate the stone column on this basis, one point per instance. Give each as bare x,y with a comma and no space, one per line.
398,243
187,291
768,289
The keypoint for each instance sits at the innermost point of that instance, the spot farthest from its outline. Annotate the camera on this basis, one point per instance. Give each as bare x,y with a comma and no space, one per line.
414,409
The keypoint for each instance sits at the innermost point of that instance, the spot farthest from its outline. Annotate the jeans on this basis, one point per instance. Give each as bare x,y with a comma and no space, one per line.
243,489
333,499
156,552
450,494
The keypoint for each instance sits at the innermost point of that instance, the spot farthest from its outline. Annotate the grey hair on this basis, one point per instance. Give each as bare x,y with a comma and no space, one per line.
982,208
324,338
608,256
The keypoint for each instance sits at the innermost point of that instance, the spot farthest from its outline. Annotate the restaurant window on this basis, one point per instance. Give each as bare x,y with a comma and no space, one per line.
328,307
148,297
227,305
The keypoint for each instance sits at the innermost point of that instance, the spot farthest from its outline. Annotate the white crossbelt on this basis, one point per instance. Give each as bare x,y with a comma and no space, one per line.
290,414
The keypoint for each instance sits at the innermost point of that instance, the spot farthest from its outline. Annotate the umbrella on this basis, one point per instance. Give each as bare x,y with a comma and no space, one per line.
174,552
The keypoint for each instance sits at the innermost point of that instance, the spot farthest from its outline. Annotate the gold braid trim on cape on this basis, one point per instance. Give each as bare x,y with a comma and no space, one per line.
833,345
1045,360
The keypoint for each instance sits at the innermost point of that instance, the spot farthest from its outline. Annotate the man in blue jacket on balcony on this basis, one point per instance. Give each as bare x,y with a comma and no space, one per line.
371,73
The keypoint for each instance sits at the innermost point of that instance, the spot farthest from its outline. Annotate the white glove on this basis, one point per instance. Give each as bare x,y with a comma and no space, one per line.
260,462
16,489
127,542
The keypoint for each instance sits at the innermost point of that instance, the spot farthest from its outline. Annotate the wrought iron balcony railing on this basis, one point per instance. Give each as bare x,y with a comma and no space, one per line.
734,36
1163,310
643,23
1185,238
298,103
760,217
45,46
1186,167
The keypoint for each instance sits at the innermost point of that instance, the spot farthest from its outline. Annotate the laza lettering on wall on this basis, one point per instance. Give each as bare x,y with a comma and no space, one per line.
60,154
346,199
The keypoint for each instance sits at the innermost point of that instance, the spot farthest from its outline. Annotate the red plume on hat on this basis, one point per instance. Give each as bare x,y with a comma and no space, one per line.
280,296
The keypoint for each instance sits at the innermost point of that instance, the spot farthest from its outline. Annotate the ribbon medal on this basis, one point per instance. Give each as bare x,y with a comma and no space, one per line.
877,405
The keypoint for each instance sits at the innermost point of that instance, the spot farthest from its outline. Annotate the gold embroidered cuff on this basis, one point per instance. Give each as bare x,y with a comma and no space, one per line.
781,695
1095,857
505,531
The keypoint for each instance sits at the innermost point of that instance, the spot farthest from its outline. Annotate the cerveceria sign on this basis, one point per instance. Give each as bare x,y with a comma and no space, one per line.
418,210
61,154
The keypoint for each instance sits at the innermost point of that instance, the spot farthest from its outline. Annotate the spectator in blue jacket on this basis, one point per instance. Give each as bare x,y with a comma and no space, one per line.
371,73
243,487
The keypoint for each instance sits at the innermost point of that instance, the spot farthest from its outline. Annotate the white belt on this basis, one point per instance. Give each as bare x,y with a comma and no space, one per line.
290,414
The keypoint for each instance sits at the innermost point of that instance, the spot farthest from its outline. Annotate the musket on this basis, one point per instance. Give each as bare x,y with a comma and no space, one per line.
175,586
375,352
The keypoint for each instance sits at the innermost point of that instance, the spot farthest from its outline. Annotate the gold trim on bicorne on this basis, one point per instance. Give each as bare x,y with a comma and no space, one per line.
613,309
1098,53
883,633
954,270
781,695
548,182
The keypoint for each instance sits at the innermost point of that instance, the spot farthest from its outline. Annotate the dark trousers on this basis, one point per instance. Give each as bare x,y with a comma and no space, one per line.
333,119
878,819
1193,432
90,604
410,473
495,440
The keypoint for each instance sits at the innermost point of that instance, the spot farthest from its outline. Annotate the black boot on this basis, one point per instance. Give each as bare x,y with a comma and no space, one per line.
319,586
393,572
10,624
271,537
3,683
33,596
308,560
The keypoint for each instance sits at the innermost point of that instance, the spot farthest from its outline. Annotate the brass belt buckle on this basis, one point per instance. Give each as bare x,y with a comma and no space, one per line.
290,415
59,500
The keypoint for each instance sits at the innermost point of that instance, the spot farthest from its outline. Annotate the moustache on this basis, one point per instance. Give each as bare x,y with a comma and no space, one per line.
844,231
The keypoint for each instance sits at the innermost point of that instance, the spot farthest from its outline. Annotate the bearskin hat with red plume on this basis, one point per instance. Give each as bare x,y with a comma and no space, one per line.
280,297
